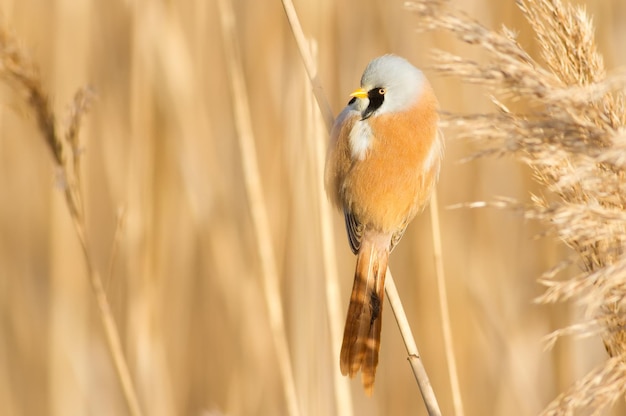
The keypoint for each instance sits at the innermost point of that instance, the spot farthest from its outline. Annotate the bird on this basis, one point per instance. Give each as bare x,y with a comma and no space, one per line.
382,164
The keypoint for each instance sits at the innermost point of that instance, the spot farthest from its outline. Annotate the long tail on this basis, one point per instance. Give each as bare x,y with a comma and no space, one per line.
361,336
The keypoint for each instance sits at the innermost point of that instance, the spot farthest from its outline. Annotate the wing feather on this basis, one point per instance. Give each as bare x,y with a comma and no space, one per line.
354,228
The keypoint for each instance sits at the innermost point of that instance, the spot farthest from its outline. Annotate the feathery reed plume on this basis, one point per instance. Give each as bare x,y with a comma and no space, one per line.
572,136
17,69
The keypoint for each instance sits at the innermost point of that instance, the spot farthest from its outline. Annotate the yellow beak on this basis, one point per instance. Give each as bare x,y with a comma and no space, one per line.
360,93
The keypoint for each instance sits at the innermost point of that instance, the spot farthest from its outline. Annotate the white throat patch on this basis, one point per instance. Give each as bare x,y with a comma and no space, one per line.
360,139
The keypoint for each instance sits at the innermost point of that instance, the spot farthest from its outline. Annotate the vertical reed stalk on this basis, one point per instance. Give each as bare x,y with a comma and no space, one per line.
258,210
415,360
457,399
343,399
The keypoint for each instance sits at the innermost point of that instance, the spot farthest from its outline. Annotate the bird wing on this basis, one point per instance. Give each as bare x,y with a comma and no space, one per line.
354,228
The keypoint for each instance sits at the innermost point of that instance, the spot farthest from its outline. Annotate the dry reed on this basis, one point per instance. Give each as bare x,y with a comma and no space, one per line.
19,71
571,133
258,208
444,308
343,400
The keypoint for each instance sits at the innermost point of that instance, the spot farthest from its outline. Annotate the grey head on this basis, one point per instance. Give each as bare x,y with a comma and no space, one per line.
389,84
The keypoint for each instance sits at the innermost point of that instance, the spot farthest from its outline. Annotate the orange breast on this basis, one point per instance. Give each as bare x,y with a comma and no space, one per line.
393,182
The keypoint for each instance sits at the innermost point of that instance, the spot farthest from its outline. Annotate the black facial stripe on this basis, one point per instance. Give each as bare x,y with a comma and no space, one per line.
376,96
352,100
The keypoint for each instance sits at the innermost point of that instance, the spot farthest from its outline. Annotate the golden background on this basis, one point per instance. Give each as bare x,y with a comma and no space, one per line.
170,232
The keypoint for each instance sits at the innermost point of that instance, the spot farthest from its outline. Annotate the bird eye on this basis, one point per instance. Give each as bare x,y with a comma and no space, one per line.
381,91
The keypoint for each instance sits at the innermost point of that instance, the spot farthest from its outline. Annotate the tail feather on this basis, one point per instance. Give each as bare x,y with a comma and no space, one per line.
361,338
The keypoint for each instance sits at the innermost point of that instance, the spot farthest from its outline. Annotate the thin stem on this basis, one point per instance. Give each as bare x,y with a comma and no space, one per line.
444,309
309,63
110,328
258,210
343,398
430,400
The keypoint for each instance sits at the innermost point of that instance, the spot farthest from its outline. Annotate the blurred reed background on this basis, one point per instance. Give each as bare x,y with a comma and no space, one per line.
169,228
